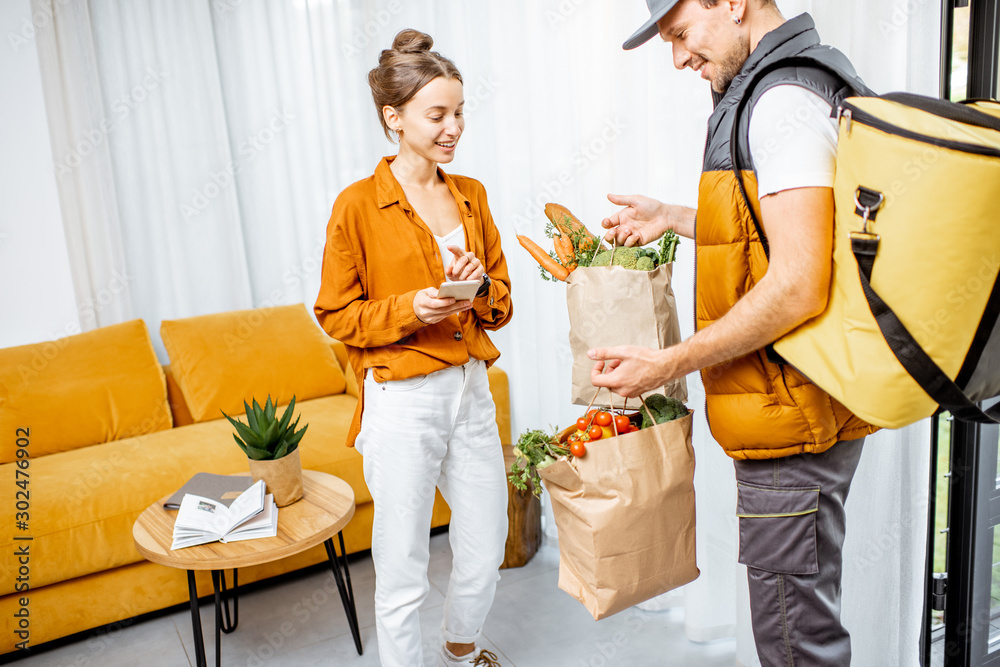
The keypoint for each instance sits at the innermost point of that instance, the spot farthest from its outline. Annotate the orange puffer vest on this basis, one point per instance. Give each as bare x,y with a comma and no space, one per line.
758,409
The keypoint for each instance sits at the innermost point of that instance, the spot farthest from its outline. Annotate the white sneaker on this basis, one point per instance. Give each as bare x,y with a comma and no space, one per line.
477,658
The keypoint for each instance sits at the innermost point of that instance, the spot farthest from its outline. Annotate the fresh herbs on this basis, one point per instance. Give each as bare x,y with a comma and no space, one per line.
584,244
534,450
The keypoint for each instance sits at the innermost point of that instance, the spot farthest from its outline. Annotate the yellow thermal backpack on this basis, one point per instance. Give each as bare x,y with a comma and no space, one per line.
911,325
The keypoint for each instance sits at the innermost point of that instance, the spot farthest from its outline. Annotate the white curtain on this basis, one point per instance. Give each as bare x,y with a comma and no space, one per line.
254,114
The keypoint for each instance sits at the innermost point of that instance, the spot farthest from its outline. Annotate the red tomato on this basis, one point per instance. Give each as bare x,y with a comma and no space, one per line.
578,449
633,429
603,418
592,412
581,423
622,423
595,432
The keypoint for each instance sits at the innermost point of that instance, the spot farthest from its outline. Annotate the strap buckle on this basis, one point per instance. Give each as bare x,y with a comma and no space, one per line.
866,204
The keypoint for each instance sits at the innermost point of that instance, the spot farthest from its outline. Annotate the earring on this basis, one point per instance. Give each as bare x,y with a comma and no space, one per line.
737,20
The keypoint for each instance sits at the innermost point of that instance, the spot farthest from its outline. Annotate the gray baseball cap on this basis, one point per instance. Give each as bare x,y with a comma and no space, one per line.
657,10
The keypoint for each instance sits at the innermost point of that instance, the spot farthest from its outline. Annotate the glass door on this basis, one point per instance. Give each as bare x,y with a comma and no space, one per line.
972,613
968,588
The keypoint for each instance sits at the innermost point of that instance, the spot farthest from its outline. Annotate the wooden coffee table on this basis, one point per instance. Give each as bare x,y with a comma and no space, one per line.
325,508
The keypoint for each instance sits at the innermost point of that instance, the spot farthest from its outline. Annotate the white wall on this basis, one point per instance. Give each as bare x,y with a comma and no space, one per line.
36,298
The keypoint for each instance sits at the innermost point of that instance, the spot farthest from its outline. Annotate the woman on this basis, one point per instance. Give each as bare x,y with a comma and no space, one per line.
425,417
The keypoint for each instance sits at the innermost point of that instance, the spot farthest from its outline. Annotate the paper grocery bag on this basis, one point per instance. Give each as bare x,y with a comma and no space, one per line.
626,517
611,306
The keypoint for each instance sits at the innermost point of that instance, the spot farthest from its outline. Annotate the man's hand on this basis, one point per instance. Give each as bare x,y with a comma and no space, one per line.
465,266
628,370
642,221
431,310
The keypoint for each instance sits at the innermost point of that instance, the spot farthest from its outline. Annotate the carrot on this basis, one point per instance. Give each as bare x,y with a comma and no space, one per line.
557,270
564,251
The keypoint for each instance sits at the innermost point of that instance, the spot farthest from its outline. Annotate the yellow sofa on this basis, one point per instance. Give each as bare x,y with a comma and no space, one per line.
107,431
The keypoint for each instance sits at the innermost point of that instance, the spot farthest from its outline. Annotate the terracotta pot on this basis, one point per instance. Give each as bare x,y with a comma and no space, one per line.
283,477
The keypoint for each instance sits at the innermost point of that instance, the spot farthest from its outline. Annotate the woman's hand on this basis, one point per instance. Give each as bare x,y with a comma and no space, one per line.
431,310
465,266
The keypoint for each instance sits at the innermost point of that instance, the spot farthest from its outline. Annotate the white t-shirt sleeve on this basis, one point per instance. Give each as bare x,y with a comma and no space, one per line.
793,140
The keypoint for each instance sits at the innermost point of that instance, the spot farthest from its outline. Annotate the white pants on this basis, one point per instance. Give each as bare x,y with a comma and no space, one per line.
433,430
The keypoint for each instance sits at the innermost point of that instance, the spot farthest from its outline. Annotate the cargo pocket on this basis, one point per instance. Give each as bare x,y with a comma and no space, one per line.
778,528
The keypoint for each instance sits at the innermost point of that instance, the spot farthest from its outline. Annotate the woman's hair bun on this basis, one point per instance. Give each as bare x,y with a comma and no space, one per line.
404,69
412,41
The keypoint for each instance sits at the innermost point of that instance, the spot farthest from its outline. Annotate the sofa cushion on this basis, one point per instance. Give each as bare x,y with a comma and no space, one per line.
82,390
82,522
222,360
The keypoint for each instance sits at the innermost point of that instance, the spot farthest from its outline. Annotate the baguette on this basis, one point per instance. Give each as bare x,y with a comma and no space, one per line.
565,222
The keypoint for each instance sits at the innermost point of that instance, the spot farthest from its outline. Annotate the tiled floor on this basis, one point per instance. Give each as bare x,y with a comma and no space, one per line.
302,622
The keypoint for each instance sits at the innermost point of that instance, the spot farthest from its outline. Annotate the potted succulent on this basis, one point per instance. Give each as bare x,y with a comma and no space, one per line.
271,446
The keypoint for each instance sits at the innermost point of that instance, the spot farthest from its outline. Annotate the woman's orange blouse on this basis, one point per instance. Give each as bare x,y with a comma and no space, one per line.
378,255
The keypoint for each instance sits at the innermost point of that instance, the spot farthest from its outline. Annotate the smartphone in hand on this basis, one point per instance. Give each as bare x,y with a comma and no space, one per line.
460,290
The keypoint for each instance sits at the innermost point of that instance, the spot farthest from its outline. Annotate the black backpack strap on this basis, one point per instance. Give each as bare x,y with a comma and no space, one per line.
945,109
741,105
769,351
913,358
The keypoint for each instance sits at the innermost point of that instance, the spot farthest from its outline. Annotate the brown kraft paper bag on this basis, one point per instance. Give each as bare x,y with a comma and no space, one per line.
610,306
626,517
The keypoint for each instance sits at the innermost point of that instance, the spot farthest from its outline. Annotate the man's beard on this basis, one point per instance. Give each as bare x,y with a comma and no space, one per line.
731,64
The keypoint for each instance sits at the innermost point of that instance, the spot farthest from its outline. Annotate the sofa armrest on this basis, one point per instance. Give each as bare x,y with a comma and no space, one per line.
500,388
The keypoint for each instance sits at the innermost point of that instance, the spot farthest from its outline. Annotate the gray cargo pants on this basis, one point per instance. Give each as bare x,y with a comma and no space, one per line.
792,525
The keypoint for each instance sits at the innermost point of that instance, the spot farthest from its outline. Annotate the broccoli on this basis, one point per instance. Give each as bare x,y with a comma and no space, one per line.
664,409
623,257
626,257
642,259
602,258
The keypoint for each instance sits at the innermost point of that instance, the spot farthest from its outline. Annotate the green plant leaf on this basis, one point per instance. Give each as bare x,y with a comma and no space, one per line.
281,451
231,420
269,409
250,437
287,417
259,414
251,417
296,437
258,454
270,437
240,443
